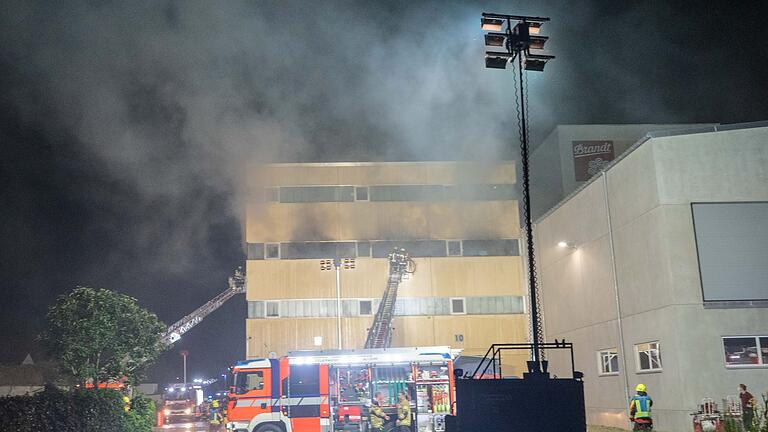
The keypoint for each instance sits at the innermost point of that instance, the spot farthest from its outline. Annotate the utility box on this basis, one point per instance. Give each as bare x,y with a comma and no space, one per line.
533,404
488,402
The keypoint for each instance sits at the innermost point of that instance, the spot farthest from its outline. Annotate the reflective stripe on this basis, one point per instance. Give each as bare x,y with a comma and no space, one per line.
642,405
247,402
310,400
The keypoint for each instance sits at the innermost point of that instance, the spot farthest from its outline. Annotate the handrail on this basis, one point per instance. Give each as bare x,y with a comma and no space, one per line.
495,350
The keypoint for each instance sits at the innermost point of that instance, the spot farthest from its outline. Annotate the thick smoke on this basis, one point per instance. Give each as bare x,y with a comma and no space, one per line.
176,99
128,126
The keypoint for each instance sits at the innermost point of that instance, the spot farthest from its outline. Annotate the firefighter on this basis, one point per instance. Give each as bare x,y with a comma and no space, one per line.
378,416
215,417
403,413
640,409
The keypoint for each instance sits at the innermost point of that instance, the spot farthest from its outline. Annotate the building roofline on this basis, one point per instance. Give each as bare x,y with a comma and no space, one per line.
401,163
650,135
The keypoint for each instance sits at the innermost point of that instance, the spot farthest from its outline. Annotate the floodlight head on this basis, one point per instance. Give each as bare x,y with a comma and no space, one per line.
495,39
536,62
534,65
491,24
496,62
537,42
534,28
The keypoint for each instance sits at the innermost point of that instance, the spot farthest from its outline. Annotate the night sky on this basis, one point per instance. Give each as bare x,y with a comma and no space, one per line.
126,127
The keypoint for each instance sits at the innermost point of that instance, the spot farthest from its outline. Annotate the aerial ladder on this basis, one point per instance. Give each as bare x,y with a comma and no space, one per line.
236,285
380,333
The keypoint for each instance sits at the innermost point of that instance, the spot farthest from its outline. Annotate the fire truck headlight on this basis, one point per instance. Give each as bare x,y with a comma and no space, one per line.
188,411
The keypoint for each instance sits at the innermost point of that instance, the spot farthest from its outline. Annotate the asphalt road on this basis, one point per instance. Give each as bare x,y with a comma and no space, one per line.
183,427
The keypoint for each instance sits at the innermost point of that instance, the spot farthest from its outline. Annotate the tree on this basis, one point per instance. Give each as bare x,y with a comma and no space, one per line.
102,335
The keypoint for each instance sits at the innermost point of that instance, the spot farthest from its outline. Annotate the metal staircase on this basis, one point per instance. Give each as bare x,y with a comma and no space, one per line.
380,333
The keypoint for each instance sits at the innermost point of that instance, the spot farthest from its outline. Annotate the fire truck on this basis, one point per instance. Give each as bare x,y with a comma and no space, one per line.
181,403
324,391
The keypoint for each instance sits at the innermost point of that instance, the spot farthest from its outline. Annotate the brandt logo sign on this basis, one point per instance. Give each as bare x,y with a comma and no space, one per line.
589,157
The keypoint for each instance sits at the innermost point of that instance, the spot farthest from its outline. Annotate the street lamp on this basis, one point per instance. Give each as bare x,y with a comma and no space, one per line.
518,35
337,264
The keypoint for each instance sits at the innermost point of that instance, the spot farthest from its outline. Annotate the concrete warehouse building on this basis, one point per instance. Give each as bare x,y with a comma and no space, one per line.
571,154
457,219
657,270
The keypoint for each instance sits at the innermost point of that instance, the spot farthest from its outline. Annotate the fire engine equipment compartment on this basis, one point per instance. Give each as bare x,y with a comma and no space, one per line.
333,390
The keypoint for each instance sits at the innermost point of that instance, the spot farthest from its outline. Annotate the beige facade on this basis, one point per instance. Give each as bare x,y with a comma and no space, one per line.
457,219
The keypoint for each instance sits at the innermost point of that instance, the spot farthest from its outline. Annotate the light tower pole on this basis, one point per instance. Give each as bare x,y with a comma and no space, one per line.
518,35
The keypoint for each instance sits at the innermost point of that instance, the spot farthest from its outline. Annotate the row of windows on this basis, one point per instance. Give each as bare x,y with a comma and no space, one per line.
739,351
383,193
647,359
414,306
381,248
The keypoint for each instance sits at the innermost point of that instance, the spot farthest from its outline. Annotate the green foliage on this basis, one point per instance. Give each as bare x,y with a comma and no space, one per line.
732,425
102,335
141,417
75,411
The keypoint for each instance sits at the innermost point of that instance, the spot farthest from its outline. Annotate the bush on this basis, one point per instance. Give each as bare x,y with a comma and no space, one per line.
141,417
78,410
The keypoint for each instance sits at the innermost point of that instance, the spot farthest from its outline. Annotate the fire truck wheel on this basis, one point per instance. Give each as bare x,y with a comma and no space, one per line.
269,428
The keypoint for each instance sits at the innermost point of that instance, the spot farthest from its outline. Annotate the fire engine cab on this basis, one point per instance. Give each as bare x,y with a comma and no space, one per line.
325,391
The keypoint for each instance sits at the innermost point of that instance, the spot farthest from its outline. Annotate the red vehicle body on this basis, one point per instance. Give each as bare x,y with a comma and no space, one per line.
323,391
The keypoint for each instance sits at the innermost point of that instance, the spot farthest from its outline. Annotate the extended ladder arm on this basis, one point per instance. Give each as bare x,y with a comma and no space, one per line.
236,284
380,333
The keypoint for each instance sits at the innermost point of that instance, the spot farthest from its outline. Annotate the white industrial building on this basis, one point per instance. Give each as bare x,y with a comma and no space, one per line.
656,269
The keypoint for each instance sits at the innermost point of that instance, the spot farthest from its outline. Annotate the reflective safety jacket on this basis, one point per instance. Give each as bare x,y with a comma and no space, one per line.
377,416
640,406
404,413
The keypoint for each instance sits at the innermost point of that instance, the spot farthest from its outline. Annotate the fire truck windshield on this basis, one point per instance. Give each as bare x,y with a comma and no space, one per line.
176,394
246,381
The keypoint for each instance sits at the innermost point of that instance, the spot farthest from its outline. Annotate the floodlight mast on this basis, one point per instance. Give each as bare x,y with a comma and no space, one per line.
518,44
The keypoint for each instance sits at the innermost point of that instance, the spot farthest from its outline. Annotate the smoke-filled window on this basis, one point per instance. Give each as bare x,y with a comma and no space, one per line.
272,251
273,309
363,249
300,194
366,307
272,194
454,247
458,306
361,193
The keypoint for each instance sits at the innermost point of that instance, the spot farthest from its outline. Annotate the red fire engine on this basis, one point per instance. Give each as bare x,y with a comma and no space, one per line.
323,391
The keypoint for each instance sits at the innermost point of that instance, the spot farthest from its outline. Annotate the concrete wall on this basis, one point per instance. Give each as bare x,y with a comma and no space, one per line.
552,167
656,270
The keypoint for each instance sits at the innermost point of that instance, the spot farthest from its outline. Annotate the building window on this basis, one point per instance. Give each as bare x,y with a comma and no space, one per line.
273,309
272,251
308,194
272,194
363,249
458,306
361,193
366,307
648,357
453,247
745,351
608,362
318,341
